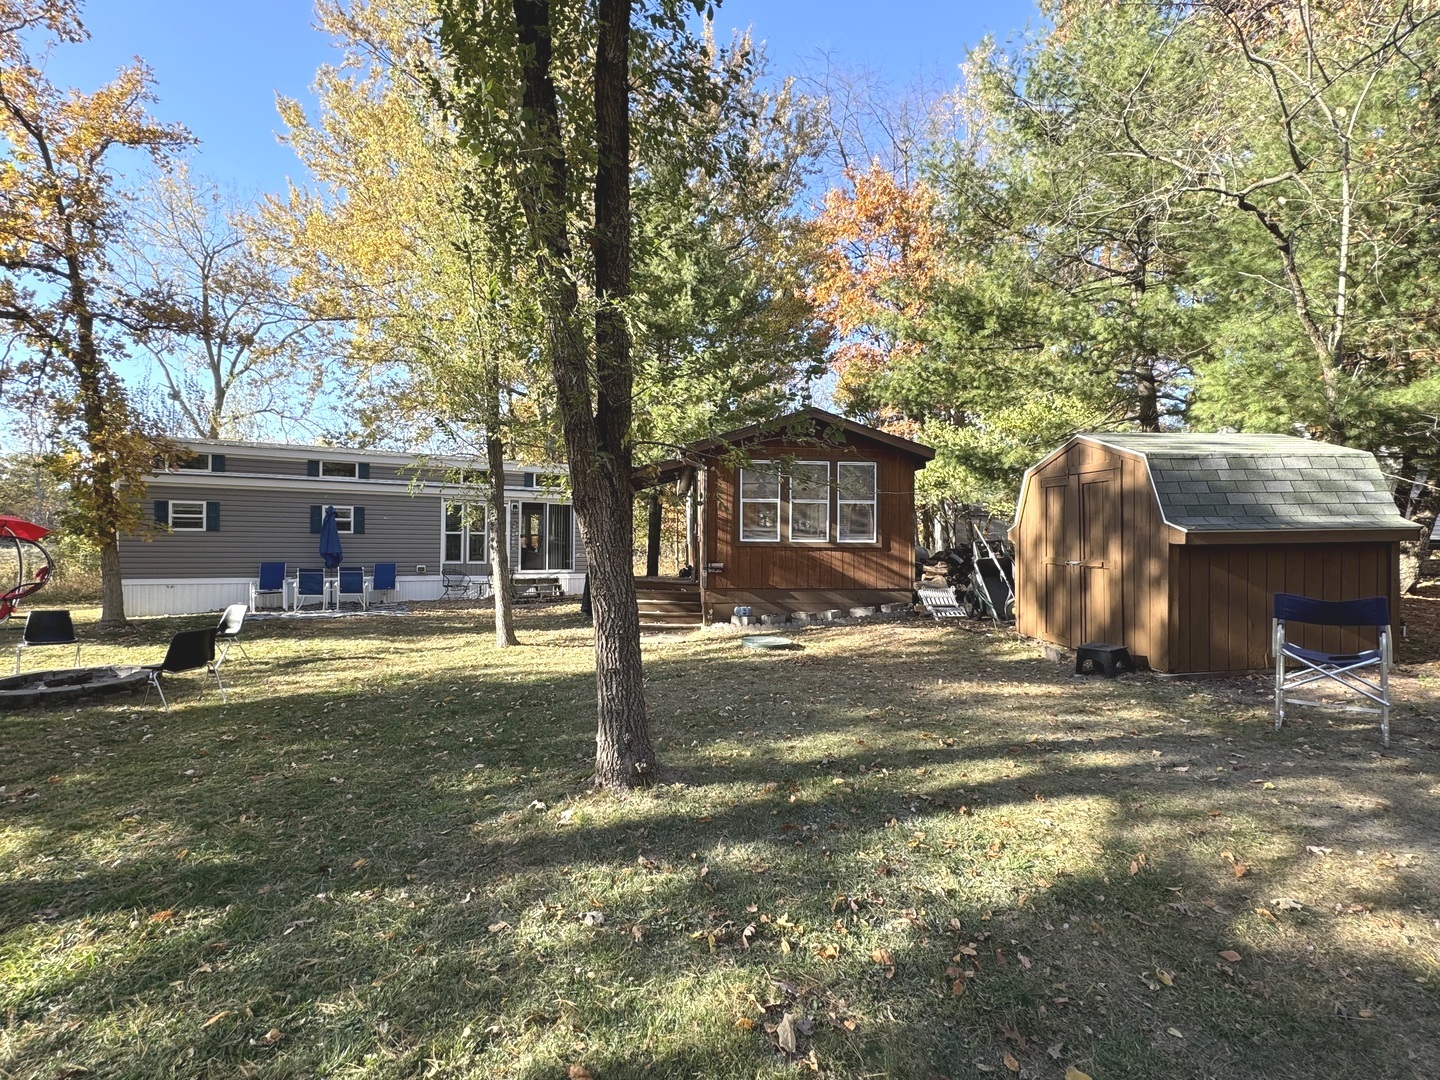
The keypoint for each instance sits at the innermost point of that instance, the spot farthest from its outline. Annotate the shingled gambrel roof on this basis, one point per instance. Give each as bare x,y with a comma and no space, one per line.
1263,483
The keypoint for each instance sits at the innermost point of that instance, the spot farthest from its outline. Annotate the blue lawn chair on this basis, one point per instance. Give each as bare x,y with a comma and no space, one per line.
309,583
1312,666
352,583
270,583
383,579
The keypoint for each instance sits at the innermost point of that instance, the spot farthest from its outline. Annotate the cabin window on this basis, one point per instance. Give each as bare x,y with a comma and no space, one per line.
546,536
345,519
195,462
348,469
760,501
187,516
855,503
809,502
464,533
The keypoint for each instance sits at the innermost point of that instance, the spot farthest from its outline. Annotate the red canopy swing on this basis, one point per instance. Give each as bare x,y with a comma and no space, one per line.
26,537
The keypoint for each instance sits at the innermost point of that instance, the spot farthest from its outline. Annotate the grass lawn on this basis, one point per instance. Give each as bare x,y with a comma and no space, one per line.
907,850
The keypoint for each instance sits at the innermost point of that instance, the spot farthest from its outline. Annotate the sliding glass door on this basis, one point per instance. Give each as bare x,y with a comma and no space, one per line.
546,537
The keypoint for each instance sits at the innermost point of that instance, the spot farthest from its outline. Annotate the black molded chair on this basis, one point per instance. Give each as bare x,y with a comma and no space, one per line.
190,650
227,633
47,628
1341,669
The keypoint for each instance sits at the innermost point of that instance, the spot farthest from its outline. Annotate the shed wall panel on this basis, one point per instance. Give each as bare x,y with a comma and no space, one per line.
1225,597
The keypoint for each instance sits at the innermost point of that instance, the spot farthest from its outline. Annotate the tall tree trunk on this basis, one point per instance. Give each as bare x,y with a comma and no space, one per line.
112,593
597,443
497,522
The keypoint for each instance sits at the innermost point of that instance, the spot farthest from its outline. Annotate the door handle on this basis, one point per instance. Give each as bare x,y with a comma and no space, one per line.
1075,562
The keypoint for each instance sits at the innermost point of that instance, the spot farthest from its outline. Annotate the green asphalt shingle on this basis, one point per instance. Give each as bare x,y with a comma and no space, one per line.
1260,483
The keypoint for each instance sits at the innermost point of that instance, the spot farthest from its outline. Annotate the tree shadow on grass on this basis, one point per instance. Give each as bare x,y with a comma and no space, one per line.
361,927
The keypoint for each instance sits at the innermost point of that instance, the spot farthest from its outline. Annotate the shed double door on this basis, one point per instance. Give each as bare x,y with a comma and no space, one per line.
1082,558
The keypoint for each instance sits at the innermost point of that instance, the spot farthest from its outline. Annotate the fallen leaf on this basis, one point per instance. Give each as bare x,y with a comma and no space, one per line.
270,1038
579,1072
744,1023
1166,977
496,927
1316,849
1230,955
1176,1032
785,1034
163,916
1240,869
593,918
1010,1062
1072,1073
1288,903
215,1019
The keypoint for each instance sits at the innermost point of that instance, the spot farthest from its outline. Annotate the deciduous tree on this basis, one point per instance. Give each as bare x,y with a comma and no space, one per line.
62,212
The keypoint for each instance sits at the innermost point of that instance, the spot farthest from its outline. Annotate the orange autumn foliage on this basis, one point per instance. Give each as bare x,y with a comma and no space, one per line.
880,251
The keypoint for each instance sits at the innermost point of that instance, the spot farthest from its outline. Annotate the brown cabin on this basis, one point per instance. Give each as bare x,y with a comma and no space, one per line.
1173,545
804,513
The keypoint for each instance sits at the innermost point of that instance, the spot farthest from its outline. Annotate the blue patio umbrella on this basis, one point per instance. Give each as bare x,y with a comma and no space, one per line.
330,549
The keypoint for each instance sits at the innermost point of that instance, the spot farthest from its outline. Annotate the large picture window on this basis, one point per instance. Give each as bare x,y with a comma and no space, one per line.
464,533
546,536
855,485
810,502
760,501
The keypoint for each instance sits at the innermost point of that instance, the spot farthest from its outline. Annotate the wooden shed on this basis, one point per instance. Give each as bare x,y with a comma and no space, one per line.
1173,545
807,512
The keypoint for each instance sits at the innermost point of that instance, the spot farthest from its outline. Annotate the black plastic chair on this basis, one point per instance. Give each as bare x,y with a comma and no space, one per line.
47,628
1331,670
227,633
190,650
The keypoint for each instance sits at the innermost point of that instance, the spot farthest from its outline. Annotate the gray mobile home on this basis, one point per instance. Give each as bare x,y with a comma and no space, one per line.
234,505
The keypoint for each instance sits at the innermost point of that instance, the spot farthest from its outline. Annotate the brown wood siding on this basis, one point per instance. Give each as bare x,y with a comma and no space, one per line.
1224,599
886,565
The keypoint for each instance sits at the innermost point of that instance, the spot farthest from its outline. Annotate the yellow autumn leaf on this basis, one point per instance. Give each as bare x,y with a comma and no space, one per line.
1072,1073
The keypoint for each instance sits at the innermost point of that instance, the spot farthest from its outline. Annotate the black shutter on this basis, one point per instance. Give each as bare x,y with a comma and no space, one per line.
212,516
315,514
312,468
363,470
217,462
162,511
358,522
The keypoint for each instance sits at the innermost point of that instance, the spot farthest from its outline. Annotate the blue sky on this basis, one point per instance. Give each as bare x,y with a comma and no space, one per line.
218,66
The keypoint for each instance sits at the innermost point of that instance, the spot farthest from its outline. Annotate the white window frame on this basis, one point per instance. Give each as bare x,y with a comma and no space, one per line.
170,514
190,463
344,519
352,466
755,467
825,502
469,512
873,502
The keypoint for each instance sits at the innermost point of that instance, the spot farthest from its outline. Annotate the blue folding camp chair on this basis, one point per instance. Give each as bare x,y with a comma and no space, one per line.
270,583
383,579
308,584
352,583
1313,666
